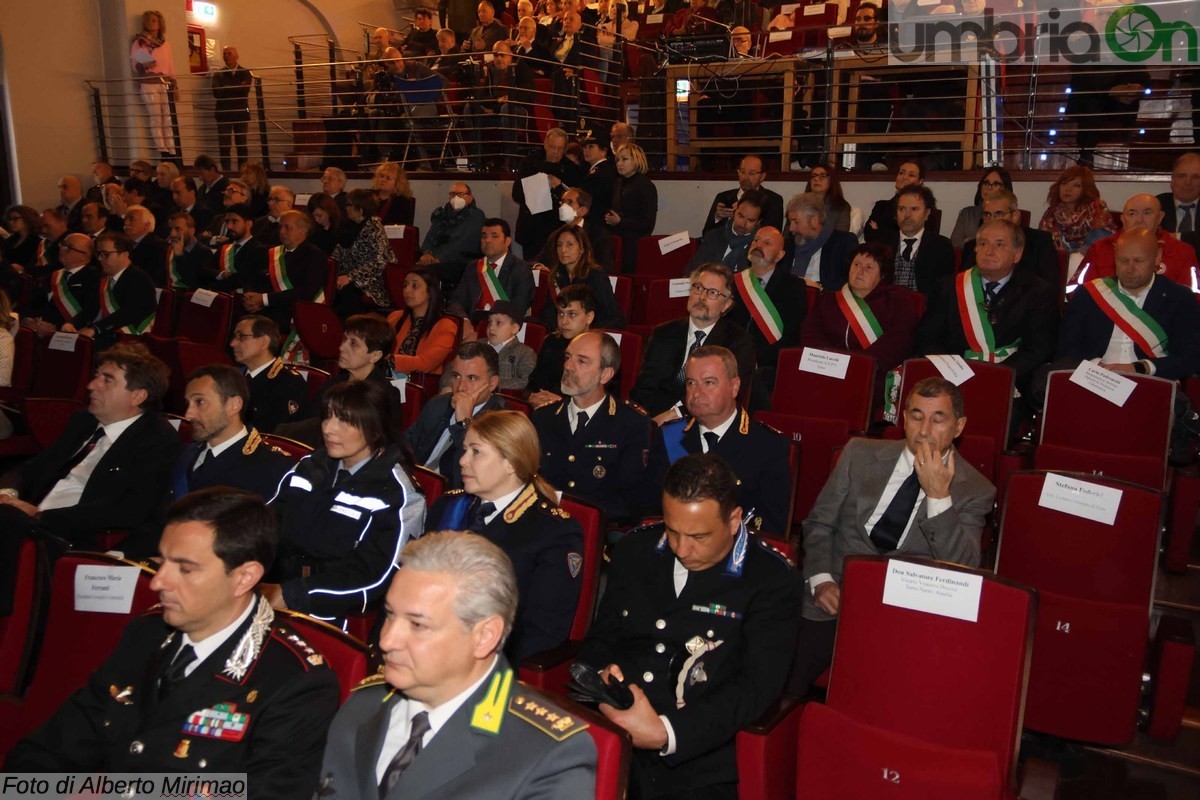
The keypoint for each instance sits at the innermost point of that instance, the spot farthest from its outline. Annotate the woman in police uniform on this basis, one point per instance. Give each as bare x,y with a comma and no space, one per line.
346,510
506,501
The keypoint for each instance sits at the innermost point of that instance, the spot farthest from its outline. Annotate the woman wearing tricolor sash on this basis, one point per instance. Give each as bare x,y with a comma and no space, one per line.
868,315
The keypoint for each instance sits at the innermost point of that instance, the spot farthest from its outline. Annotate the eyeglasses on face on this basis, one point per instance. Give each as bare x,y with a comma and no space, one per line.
711,294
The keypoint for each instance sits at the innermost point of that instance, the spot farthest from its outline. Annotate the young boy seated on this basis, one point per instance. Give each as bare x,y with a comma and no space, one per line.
576,310
517,359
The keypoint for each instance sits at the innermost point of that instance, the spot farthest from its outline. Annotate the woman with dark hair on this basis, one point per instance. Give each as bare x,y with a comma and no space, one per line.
634,211
1075,215
22,245
425,335
573,263
868,315
360,265
505,500
994,179
346,510
823,182
328,218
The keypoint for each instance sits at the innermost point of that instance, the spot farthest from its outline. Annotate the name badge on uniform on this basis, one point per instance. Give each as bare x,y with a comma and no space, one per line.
219,722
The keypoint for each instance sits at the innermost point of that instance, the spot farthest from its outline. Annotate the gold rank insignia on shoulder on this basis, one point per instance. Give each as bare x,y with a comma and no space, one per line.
744,423
122,696
488,715
252,442
373,680
612,405
276,368
550,720
559,512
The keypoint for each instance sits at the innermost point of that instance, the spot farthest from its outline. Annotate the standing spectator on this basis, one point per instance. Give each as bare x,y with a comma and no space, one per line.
328,218
70,197
634,210
533,229
361,265
573,263
1075,215
573,52
503,104
231,89
150,57
396,203
489,30
425,335
823,182
21,246
422,40
994,180
255,177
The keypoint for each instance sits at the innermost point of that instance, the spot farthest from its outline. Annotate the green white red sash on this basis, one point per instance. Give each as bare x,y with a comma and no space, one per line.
762,310
226,259
277,270
489,281
859,316
60,293
41,253
174,277
109,305
981,339
1147,334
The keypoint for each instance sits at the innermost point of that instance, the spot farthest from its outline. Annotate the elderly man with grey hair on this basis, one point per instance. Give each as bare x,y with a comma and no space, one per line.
149,251
446,716
818,253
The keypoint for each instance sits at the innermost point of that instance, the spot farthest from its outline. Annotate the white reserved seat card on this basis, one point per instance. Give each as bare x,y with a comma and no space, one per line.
1080,498
679,287
823,362
945,592
394,231
1112,386
671,243
63,341
204,297
953,368
105,589
401,385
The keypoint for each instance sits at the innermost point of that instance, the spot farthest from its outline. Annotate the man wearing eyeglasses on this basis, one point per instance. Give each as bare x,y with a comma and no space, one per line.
453,237
126,294
279,201
216,235
1038,255
73,298
660,384
750,177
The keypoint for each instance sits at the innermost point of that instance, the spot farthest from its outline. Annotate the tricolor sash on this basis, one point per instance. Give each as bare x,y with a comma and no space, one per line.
174,277
762,310
109,305
226,259
968,288
489,281
860,317
277,270
1147,334
60,293
41,254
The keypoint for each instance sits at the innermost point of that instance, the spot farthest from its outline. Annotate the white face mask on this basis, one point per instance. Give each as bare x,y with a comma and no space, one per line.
566,213
458,203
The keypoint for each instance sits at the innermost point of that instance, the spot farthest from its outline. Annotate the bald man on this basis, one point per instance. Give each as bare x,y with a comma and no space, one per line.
231,89
1183,201
1142,211
70,201
295,272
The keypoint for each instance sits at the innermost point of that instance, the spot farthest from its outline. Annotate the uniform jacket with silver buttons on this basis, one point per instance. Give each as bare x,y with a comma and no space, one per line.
116,724
711,660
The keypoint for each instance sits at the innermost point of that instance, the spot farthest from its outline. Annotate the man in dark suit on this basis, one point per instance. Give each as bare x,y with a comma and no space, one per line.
437,435
73,297
773,322
107,470
211,192
280,200
186,197
1037,257
574,53
499,267
1181,204
126,294
917,497
231,91
498,739
659,387
186,257
502,106
149,252
212,682
716,423
922,256
882,220
728,243
594,445
993,312
601,176
818,253
295,272
750,179
277,392
534,229
242,263
1098,325
699,617
70,196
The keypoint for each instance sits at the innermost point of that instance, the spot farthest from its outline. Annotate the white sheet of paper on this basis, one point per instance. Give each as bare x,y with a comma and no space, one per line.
823,362
933,590
616,337
813,11
668,244
779,36
63,341
537,193
204,297
953,368
1080,498
654,19
108,590
612,279
1112,386
680,287
394,231
840,32
401,384
143,56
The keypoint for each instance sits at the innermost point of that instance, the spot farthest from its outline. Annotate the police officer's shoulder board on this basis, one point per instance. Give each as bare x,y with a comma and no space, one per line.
252,442
278,367
378,679
297,645
452,492
530,707
561,404
772,429
774,551
743,422
636,407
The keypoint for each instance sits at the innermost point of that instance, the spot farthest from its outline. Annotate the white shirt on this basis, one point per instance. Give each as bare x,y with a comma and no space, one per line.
443,441
1120,348
900,473
502,345
255,372
501,503
67,491
210,644
919,235
213,452
691,338
719,430
813,271
402,713
499,262
573,411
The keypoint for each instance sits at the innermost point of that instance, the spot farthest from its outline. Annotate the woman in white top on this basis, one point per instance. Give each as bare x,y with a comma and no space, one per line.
150,57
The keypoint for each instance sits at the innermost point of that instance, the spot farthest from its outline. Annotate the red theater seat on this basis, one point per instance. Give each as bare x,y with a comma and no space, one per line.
319,329
344,654
652,261
631,359
209,324
818,439
809,394
17,629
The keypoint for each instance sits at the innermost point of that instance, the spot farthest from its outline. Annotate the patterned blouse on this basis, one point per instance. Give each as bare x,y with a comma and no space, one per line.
1070,229
365,260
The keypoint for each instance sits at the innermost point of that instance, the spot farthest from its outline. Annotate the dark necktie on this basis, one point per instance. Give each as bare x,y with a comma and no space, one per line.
175,673
406,754
342,476
712,439
477,518
891,525
682,376
581,420
908,248
80,454
202,461
1187,219
990,288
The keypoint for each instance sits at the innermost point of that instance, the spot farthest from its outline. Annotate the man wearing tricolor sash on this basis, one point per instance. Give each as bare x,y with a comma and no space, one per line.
126,293
242,262
499,275
1138,321
1176,259
185,254
991,312
295,272
73,298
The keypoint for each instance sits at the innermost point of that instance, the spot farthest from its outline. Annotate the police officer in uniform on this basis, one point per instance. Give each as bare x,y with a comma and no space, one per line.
211,682
446,717
696,618
593,445
717,424
278,392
